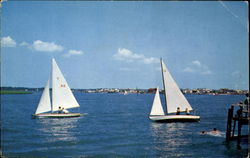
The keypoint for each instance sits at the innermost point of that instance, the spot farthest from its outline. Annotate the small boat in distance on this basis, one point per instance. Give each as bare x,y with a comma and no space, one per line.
125,93
62,97
176,103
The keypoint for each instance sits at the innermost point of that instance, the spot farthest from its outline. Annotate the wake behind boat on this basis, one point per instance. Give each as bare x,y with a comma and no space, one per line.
176,103
62,97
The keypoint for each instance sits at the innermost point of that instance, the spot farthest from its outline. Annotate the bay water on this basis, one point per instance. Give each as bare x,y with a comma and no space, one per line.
116,125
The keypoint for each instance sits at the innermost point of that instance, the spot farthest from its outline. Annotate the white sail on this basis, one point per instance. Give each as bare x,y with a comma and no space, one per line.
61,93
157,107
174,96
44,103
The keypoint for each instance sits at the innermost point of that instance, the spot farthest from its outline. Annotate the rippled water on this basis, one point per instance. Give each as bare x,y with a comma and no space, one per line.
116,126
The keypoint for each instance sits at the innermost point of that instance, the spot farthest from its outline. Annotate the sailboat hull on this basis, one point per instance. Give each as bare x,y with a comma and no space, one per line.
175,118
56,115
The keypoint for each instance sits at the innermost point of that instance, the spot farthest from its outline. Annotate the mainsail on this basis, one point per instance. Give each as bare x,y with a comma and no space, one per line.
157,107
44,103
174,96
61,93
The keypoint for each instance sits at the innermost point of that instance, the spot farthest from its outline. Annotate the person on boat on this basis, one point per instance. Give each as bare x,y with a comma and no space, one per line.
187,111
60,110
65,111
178,111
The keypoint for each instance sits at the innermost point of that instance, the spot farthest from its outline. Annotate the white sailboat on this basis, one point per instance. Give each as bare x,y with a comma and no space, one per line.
62,97
174,100
125,93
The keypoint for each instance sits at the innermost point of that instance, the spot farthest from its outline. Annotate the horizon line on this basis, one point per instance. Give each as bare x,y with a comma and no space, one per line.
123,88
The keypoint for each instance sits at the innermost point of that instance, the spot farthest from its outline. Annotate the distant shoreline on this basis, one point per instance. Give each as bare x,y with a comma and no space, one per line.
125,91
15,92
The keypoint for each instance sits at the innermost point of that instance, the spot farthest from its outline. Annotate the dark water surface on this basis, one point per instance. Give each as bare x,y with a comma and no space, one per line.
116,126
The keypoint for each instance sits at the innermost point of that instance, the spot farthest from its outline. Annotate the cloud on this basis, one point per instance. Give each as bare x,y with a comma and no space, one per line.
188,69
41,46
128,69
128,56
206,72
150,60
197,63
24,44
73,52
197,67
8,42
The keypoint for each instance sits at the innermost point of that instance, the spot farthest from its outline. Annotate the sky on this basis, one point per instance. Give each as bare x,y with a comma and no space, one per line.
119,44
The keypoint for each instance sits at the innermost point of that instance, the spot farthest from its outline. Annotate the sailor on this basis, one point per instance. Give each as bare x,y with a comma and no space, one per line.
60,110
178,111
65,111
187,111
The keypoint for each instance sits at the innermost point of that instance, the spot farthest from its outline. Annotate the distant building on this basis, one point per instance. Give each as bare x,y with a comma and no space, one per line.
152,90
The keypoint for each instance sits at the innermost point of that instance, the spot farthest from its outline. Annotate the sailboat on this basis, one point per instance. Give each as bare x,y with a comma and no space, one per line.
125,93
175,101
62,97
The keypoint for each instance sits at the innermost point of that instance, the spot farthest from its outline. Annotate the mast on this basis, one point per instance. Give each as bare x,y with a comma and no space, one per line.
163,81
51,75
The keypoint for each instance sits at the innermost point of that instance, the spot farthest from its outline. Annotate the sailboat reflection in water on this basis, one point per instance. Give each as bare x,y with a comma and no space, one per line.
62,97
57,130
